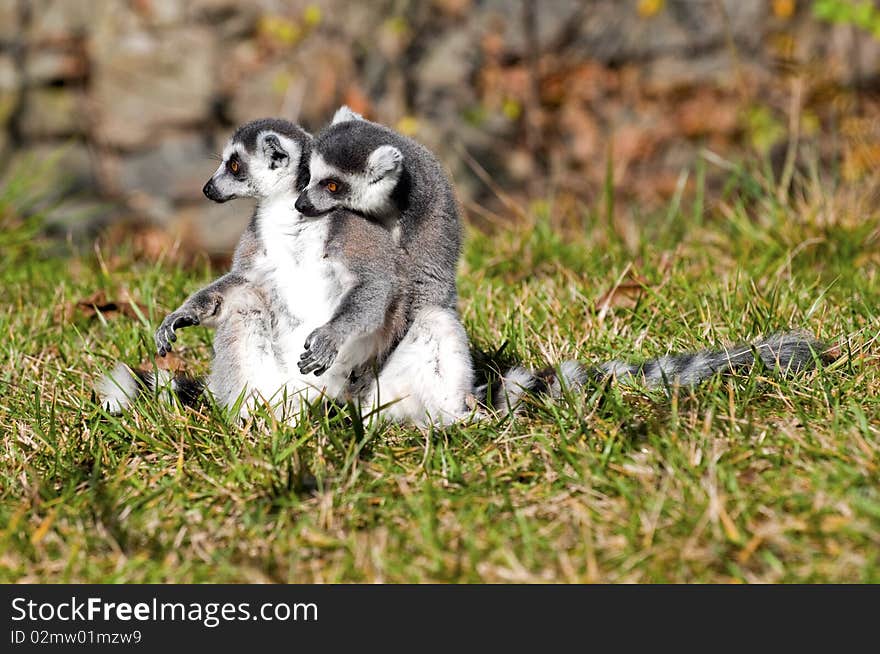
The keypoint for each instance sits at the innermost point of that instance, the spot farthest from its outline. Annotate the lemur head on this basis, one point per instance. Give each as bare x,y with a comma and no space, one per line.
263,158
354,165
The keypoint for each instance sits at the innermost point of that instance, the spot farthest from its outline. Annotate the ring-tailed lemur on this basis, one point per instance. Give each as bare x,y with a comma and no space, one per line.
264,157
312,305
372,170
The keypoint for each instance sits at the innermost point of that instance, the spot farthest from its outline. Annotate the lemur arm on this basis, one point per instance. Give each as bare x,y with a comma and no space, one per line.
362,310
203,307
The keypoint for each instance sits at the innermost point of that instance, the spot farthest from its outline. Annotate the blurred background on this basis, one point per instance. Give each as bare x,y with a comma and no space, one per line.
110,109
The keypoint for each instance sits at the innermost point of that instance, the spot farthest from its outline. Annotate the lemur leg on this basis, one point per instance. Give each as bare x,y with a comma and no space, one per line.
245,362
249,362
428,377
204,307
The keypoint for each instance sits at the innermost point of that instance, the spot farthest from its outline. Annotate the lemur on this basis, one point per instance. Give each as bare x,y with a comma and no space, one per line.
273,333
297,286
372,170
308,307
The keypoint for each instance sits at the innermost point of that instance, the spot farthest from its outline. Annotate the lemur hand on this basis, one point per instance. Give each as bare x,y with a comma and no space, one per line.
165,335
321,348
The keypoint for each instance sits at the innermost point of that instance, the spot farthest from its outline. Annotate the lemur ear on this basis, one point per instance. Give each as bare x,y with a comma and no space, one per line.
345,114
384,161
274,151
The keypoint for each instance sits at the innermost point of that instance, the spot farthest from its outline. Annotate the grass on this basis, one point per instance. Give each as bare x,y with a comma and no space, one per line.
743,479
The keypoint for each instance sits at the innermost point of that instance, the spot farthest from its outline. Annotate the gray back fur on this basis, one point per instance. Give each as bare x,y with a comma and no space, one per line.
428,214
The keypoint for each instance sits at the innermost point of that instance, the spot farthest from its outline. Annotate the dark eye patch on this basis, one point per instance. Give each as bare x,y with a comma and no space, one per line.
235,167
333,185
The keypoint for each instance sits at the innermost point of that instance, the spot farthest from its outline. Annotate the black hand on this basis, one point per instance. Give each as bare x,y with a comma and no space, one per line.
165,335
320,352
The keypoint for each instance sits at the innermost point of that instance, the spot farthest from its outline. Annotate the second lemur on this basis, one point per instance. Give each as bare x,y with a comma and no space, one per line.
372,170
369,169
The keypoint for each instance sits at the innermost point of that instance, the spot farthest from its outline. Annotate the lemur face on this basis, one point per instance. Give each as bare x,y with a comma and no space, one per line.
262,159
352,166
368,192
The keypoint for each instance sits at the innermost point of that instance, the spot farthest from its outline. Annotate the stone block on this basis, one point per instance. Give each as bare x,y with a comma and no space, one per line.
305,86
52,111
9,29
51,171
63,20
175,170
142,82
81,217
48,65
8,74
215,228
230,19
9,88
160,12
613,35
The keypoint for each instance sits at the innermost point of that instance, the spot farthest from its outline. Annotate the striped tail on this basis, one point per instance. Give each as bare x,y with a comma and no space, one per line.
785,353
121,387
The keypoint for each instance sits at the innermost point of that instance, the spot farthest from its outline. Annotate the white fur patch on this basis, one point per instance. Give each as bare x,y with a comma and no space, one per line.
310,286
262,179
572,375
117,389
268,181
384,161
345,114
163,383
428,377
515,384
618,369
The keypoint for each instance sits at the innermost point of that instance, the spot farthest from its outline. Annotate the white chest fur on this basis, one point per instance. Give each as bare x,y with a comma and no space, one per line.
295,263
308,284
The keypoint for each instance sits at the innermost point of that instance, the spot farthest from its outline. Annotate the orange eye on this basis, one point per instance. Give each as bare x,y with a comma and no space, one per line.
233,166
332,187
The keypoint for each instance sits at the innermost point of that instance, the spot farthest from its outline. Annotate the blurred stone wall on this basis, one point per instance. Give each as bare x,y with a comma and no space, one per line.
117,105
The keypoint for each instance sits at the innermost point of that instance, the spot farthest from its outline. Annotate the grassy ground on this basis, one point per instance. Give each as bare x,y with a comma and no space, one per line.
752,479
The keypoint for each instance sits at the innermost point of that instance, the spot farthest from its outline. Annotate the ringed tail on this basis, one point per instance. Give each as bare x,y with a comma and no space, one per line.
120,388
785,353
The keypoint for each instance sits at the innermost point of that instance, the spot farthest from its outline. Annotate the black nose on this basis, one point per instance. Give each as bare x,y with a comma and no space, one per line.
212,193
304,205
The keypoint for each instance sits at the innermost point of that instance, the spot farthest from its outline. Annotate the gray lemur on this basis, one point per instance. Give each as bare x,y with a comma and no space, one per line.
312,305
369,169
372,170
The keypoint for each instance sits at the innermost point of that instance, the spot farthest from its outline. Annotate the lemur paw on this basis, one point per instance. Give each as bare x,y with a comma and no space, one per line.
321,349
165,335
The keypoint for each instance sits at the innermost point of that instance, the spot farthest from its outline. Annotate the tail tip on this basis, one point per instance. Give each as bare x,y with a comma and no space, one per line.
117,389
